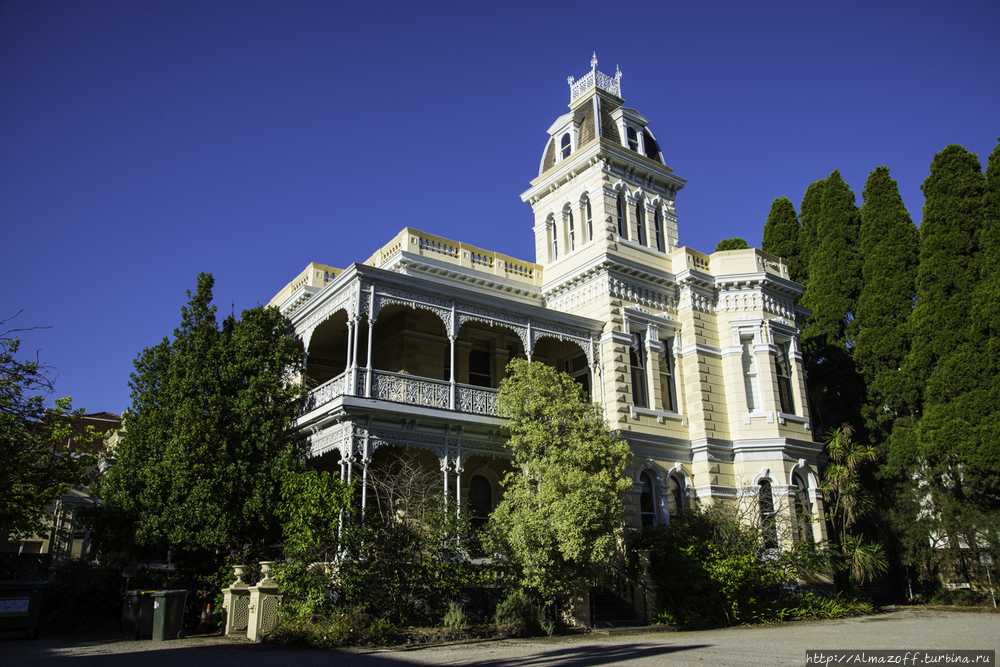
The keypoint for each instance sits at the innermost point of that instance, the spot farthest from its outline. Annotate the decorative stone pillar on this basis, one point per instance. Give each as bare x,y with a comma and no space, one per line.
264,601
235,605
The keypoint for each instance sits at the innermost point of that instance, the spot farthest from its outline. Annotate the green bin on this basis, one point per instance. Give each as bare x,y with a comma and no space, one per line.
137,614
168,614
21,605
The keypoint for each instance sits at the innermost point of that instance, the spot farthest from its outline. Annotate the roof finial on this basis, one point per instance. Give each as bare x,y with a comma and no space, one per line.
593,61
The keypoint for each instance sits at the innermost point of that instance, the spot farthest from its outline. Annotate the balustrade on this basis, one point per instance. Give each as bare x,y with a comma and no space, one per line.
408,389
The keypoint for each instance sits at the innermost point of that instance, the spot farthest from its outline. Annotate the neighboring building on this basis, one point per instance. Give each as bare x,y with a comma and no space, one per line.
694,357
68,533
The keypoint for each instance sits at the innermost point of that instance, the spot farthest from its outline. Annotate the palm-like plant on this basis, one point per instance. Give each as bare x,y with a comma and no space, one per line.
848,501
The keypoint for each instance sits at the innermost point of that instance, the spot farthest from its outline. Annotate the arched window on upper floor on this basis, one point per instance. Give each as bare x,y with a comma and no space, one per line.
566,146
637,362
668,388
590,221
570,228
649,144
621,215
658,229
640,221
783,370
633,139
553,228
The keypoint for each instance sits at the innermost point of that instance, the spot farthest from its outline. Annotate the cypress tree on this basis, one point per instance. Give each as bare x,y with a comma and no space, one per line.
781,236
948,273
834,281
889,247
946,359
810,212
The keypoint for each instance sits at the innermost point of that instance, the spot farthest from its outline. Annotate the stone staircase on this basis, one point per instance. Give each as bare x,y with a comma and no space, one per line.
610,611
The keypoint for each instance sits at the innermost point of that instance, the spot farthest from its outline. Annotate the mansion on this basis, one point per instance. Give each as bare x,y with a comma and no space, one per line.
694,357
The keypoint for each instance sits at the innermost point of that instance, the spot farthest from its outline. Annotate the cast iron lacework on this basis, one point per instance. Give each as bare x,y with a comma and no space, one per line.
592,79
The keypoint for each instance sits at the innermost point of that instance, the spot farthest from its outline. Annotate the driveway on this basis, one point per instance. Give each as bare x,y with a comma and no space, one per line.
786,644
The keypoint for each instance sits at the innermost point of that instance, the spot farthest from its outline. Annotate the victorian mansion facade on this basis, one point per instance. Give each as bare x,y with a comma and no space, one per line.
694,357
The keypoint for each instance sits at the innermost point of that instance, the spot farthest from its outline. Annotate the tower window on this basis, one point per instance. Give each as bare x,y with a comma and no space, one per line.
590,223
658,228
652,150
566,146
571,243
621,215
633,139
640,222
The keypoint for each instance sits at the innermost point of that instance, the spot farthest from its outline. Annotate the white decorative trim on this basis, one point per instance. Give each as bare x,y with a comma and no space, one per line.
660,415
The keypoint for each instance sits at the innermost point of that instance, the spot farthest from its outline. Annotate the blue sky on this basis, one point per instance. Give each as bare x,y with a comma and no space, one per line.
144,142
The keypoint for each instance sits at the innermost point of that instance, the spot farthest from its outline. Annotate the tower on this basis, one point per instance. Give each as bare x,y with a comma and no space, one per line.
603,185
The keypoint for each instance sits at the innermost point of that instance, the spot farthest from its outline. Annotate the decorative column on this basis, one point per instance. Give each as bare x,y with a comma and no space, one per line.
371,330
264,601
352,370
444,470
236,605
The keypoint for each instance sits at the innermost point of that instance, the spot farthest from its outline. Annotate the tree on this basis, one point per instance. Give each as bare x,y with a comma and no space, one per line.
562,507
36,465
731,244
849,502
209,437
781,236
834,281
889,243
810,212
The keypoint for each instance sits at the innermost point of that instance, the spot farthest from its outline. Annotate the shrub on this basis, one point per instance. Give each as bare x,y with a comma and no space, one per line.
343,626
712,570
522,615
455,617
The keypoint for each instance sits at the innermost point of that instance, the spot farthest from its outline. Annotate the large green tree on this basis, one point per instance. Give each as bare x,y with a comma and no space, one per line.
834,282
889,243
810,212
36,466
955,466
209,436
562,508
781,236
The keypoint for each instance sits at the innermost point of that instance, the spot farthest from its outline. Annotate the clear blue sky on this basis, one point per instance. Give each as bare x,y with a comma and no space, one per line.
144,142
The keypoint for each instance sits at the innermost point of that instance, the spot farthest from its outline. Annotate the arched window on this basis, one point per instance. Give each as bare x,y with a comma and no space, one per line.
590,223
675,496
803,509
658,228
637,357
750,374
566,146
571,241
621,214
668,390
640,222
768,517
648,501
633,139
783,370
652,150
480,501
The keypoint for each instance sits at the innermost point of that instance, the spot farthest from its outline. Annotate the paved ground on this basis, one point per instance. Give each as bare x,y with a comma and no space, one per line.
786,644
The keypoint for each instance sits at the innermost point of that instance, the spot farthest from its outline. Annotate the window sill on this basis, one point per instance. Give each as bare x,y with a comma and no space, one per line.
661,416
759,414
785,417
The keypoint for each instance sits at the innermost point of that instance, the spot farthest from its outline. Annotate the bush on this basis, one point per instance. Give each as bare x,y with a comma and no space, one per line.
343,626
522,615
712,570
455,617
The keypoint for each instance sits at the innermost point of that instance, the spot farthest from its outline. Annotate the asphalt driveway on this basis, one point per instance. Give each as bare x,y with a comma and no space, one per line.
786,644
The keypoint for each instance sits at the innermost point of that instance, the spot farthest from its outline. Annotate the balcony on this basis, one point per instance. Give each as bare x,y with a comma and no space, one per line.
406,390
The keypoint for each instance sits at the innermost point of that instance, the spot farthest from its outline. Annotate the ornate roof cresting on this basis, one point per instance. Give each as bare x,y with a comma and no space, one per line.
592,79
